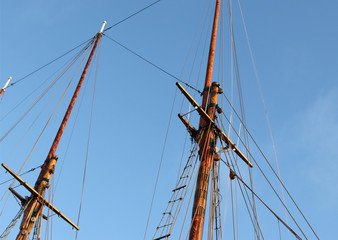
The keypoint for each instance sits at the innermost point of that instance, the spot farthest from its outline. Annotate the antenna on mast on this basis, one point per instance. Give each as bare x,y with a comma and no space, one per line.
4,88
104,23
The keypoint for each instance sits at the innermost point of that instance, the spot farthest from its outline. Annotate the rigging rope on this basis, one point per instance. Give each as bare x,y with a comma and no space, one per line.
262,98
132,15
38,139
26,76
119,22
32,124
160,165
207,9
239,179
10,227
31,170
88,141
65,155
31,93
241,101
260,169
43,94
270,166
151,63
255,224
178,196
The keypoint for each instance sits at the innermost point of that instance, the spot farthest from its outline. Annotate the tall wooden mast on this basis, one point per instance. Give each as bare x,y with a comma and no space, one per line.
206,136
208,139
36,201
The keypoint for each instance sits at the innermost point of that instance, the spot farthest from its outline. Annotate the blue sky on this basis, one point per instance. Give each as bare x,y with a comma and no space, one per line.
294,46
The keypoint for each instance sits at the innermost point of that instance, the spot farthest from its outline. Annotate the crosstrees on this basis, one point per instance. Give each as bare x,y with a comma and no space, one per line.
223,137
39,197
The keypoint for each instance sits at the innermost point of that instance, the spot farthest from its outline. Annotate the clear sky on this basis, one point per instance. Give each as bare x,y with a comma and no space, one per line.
294,44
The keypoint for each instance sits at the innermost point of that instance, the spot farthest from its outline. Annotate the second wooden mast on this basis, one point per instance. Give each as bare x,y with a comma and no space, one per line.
36,202
208,139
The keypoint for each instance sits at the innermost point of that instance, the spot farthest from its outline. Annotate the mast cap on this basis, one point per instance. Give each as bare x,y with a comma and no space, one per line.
104,23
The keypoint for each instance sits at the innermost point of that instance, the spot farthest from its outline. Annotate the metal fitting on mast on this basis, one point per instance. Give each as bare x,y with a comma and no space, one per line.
104,23
9,79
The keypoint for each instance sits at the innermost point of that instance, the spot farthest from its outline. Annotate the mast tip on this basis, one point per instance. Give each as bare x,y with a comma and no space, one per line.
104,23
9,79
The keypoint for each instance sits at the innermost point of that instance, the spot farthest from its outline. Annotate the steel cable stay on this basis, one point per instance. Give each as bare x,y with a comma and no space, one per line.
70,61
41,96
239,88
206,12
264,175
48,120
31,170
37,197
246,199
53,189
233,166
33,122
269,182
44,129
250,203
240,180
263,101
206,9
13,180
160,164
252,206
88,140
132,15
269,164
262,98
151,63
90,41
3,208
65,155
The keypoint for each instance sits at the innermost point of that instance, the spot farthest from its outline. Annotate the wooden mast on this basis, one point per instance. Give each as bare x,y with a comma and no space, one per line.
208,139
35,205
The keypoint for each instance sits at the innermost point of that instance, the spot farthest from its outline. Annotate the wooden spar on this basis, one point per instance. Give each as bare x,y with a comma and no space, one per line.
38,196
34,208
4,88
208,140
223,137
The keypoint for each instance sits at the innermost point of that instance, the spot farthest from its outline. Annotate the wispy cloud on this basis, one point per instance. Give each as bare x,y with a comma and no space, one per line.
315,141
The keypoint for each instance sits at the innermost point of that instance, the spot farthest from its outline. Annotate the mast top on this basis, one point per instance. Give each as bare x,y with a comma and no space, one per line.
9,79
104,23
